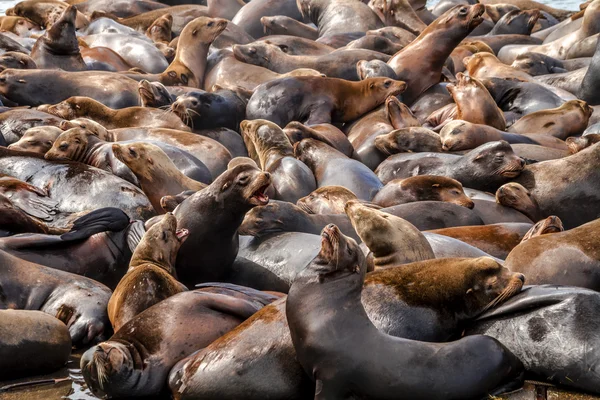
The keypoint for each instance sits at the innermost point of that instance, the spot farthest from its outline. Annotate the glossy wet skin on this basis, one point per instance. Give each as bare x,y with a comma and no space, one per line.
38,140
70,145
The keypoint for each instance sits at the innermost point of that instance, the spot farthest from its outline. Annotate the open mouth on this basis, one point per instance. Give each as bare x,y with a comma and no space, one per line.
182,234
260,197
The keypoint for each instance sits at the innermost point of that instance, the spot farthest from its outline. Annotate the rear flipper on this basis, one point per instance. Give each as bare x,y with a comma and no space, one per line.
101,220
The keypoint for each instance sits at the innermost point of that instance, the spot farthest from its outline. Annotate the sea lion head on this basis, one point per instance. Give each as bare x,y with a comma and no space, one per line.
244,185
398,113
62,32
373,69
70,145
202,29
415,138
14,59
195,105
514,195
109,369
454,136
271,23
267,219
142,158
160,30
90,125
326,200
437,188
338,254
498,159
537,64
160,244
153,94
20,26
37,140
467,16
265,136
523,20
581,106
258,53
552,224
383,87
465,84
578,143
71,108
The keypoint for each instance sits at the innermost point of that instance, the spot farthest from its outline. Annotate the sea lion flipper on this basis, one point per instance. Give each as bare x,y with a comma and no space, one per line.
242,308
135,234
40,207
102,220
265,298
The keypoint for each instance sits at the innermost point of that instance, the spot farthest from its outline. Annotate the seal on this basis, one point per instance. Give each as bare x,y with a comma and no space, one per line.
18,25
326,200
326,162
14,59
398,13
414,139
16,122
290,177
392,240
31,199
422,188
293,99
550,328
31,334
79,302
37,140
542,258
149,278
570,119
191,320
486,167
283,25
326,133
552,224
58,46
339,17
442,35
224,203
156,173
86,107
335,277
514,195
338,64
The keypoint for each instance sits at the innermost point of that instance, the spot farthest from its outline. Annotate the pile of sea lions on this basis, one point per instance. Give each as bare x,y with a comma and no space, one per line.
295,199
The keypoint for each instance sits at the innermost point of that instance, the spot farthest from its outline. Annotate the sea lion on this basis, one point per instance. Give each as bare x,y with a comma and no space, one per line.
155,171
237,191
153,94
160,30
273,100
112,90
248,17
190,320
586,91
543,258
14,59
422,188
326,133
326,162
20,26
298,46
373,69
283,25
519,22
130,117
495,239
150,277
487,65
77,301
37,140
119,8
552,224
334,277
536,64
15,122
443,35
398,13
222,108
44,13
31,199
58,47
103,59
326,200
413,139
290,177
486,167
578,143
570,119
30,334
392,240
339,17
514,195
15,220
474,103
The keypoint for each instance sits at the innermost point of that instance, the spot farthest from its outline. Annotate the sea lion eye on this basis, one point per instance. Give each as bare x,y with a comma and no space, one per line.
463,11
243,180
63,146
252,50
210,24
164,236
132,152
184,78
387,83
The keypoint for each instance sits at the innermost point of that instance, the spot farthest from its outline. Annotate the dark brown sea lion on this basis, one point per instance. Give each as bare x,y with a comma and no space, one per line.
291,178
32,342
338,64
533,5
570,119
392,240
130,117
326,162
14,59
497,240
37,140
398,13
326,133
443,35
552,224
294,99
77,301
335,278
164,334
58,47
224,203
283,25
339,17
151,274
15,220
514,195
154,94
54,86
486,167
413,139
326,200
519,22
422,188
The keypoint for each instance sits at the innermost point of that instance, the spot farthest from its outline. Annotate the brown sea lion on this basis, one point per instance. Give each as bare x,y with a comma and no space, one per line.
443,35
291,178
422,188
326,133
578,143
486,65
392,240
16,122
395,34
37,140
186,322
14,59
151,274
58,47
154,94
15,220
130,117
413,139
398,13
339,17
293,99
45,13
160,30
326,200
570,119
532,5
18,25
155,171
248,17
514,195
31,199
104,59
224,8
284,25
552,224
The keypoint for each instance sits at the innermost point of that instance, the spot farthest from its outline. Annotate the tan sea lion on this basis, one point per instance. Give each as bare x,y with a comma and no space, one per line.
552,224
578,143
18,25
487,65
514,195
37,140
326,200
570,119
413,139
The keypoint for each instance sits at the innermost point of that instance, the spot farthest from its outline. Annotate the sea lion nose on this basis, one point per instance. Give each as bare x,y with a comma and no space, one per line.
330,226
521,277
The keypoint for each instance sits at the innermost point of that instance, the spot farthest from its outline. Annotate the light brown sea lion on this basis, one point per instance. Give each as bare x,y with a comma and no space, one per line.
78,106
326,133
398,13
284,25
18,25
58,46
326,200
160,30
422,188
37,140
45,13
151,275
532,5
486,65
570,119
578,143
514,195
413,139
392,240
552,224
155,171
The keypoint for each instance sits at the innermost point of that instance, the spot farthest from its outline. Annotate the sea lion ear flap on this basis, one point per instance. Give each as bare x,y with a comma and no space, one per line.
479,157
371,85
469,291
150,161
